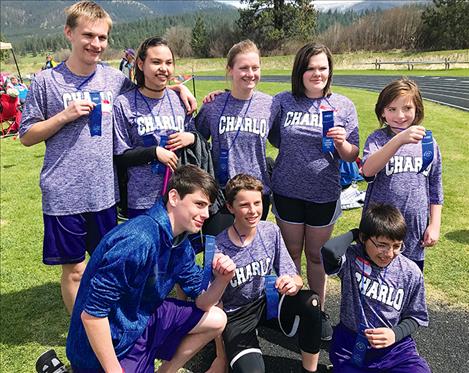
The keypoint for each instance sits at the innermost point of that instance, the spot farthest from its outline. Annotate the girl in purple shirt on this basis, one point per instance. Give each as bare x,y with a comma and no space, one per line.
149,126
238,123
305,180
393,162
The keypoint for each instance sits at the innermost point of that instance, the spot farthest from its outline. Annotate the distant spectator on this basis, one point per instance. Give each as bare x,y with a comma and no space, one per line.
14,83
127,63
50,63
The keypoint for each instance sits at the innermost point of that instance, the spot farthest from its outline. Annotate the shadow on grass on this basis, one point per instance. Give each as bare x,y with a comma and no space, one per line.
461,236
33,315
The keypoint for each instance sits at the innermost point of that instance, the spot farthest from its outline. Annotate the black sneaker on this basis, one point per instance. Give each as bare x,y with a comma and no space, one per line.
48,362
326,327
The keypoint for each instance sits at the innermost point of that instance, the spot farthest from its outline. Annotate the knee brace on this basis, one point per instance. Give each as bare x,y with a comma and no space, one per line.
309,335
251,362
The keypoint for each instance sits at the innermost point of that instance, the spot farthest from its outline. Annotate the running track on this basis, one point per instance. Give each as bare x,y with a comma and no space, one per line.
445,90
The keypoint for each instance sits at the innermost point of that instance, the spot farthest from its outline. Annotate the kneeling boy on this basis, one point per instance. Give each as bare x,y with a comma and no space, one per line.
121,320
383,297
257,247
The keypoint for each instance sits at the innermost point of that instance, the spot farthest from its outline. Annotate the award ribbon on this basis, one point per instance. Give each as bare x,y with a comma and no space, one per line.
223,175
361,342
271,295
360,346
427,150
96,114
208,259
327,124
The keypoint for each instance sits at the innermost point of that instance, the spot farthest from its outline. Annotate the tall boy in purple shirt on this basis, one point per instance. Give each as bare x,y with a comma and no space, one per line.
70,108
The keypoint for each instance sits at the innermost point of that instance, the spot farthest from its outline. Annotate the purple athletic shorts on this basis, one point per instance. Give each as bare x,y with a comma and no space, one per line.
401,357
166,328
67,238
133,213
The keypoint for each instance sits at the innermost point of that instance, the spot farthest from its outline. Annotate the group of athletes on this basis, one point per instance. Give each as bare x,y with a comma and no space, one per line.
91,116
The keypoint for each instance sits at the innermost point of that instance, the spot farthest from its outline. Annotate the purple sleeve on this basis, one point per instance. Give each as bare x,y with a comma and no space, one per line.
371,146
351,125
127,85
416,307
283,263
435,181
274,133
121,135
189,123
34,108
202,123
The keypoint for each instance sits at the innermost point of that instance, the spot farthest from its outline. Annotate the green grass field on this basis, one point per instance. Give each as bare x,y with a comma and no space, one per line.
32,317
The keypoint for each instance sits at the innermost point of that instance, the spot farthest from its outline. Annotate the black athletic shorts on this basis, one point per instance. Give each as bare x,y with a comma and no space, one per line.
298,211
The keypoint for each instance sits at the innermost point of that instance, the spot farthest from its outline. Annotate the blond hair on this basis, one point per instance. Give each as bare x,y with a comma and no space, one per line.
86,9
245,46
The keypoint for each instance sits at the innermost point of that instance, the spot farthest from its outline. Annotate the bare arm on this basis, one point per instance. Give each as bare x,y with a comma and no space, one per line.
41,131
224,269
186,96
378,159
99,335
432,233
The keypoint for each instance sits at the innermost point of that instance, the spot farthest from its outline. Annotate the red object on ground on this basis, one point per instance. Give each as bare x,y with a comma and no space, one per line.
10,114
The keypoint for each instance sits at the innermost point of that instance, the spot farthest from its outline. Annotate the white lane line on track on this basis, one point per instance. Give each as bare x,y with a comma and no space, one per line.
447,104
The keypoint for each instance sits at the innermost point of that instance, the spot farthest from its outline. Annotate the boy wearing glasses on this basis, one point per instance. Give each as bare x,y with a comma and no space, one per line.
383,297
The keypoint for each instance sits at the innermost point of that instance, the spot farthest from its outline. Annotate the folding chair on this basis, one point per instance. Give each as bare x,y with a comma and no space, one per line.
10,115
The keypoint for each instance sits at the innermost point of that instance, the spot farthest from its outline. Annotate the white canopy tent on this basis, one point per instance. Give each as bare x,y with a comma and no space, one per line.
8,46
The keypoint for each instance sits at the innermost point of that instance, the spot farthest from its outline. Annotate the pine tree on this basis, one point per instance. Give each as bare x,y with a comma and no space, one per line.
272,23
445,25
199,41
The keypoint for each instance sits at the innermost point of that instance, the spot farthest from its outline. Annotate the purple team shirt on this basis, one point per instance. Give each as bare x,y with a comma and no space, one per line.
266,252
400,184
380,297
77,175
241,127
301,169
136,116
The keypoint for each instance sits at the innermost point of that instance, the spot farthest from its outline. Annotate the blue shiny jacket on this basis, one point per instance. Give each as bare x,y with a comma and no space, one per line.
128,276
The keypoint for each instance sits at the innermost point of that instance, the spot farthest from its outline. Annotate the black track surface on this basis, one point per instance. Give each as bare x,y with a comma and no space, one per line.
445,90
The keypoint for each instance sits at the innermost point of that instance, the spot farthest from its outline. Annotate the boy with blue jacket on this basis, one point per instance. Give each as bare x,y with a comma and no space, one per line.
122,320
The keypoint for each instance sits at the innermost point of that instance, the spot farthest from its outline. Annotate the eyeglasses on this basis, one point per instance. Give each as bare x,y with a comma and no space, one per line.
383,247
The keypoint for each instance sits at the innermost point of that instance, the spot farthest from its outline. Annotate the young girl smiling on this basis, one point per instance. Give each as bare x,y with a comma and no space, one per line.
150,126
393,161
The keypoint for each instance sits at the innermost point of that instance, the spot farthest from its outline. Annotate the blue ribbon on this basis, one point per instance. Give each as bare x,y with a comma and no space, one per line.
208,259
222,174
272,298
360,346
96,114
427,150
223,167
327,124
158,167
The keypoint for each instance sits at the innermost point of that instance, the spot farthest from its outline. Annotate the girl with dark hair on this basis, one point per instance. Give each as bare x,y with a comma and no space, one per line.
313,131
150,126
